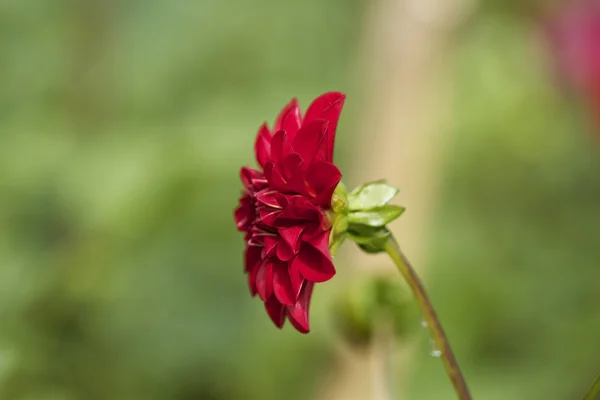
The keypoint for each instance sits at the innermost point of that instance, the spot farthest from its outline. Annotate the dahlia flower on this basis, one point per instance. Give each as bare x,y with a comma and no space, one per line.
284,205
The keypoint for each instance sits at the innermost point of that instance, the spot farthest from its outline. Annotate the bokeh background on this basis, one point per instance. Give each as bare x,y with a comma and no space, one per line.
123,125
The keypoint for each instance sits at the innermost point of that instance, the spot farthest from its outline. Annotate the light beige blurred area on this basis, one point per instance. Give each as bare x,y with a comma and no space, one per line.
406,57
123,126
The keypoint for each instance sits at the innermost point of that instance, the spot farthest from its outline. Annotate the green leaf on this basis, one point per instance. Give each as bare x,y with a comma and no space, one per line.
371,195
377,217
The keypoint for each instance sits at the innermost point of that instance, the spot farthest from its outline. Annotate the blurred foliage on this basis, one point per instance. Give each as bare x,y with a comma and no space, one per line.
516,256
520,9
367,303
123,126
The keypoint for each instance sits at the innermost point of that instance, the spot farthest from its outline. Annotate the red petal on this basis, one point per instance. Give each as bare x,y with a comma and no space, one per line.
321,243
270,244
290,165
281,147
274,177
264,280
315,266
244,215
298,313
282,285
249,176
291,236
310,141
262,146
276,311
268,215
295,277
323,178
271,199
284,251
252,258
297,182
314,229
327,106
299,209
252,280
289,119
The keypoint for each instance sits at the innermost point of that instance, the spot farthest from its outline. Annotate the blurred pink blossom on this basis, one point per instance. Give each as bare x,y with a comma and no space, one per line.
574,33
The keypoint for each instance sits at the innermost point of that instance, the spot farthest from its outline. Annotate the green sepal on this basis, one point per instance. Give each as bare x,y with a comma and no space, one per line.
370,239
339,200
338,235
371,195
377,217
335,242
340,225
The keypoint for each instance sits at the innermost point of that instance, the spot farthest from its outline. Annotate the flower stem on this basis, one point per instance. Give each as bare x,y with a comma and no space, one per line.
430,316
594,390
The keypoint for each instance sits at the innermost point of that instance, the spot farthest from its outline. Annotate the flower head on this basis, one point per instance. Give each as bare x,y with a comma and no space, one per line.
284,205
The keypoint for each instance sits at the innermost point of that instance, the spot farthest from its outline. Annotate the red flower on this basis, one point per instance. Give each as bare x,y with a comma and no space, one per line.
283,207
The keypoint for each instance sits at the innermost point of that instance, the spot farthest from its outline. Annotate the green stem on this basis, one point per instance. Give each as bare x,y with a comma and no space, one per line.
594,390
433,322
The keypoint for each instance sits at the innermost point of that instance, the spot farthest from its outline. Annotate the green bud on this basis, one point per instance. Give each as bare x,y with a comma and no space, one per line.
369,213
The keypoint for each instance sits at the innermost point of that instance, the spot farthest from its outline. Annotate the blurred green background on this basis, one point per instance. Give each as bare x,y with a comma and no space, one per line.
122,129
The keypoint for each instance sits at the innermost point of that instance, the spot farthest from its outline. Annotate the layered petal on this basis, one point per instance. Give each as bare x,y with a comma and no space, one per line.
262,146
282,284
252,258
276,311
289,119
299,312
323,177
283,209
328,107
252,179
291,235
274,177
314,265
244,214
311,141
296,278
281,147
264,280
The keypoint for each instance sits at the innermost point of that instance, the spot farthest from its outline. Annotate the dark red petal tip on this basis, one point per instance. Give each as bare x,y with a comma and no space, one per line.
262,146
298,314
264,281
289,119
276,311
